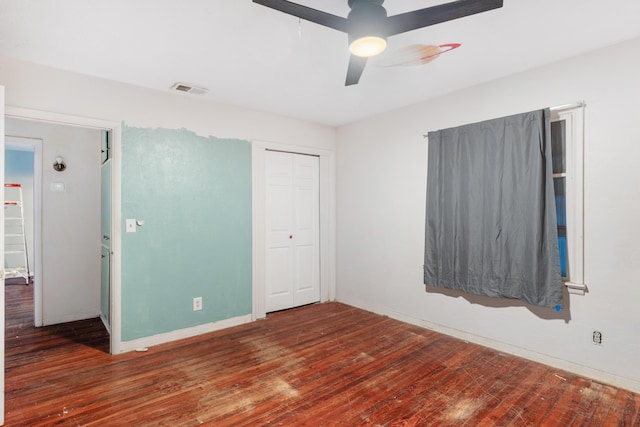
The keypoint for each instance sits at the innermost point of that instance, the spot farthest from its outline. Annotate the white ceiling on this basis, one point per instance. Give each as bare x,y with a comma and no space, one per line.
252,56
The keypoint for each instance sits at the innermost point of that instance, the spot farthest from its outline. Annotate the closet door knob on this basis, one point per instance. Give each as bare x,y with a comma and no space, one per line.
290,236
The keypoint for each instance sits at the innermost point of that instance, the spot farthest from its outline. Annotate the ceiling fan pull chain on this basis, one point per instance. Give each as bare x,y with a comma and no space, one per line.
299,28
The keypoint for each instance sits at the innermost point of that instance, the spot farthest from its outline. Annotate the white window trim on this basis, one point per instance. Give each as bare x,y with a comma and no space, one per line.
574,126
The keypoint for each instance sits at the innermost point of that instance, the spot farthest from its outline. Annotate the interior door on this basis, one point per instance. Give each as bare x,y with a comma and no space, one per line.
105,231
292,228
2,254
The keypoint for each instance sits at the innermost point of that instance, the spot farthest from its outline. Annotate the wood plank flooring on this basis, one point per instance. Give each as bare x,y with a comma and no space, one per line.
319,365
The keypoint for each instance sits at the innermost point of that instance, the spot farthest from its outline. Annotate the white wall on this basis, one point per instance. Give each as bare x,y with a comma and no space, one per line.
47,89
70,220
381,181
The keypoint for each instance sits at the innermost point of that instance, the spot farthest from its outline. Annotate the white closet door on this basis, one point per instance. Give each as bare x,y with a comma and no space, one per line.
292,226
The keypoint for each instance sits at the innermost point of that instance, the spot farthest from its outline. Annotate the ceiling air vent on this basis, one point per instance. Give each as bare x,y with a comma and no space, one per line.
183,87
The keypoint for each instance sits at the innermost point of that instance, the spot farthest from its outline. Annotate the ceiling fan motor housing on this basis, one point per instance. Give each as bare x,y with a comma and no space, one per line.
367,18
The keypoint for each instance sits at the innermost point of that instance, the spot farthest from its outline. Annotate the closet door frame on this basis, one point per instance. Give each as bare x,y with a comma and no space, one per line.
327,221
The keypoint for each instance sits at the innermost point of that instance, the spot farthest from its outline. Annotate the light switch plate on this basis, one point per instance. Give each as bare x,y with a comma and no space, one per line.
57,187
131,225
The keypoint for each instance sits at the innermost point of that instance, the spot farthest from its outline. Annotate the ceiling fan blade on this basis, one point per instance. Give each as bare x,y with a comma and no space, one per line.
436,14
356,67
308,14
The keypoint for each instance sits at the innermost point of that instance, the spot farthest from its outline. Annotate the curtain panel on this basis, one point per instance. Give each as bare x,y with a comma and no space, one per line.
491,220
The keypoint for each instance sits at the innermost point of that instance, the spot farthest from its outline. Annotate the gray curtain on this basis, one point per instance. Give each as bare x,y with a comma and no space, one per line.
491,221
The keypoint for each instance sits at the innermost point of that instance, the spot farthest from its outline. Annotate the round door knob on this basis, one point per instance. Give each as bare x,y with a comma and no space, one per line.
291,236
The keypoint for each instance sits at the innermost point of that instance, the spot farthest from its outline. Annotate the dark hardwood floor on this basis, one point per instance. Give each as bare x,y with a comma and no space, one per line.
319,365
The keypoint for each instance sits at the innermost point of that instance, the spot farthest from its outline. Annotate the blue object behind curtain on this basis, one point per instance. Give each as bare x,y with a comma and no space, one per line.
491,220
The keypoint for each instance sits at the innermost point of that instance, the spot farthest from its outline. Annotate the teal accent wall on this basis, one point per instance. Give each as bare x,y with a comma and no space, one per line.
194,195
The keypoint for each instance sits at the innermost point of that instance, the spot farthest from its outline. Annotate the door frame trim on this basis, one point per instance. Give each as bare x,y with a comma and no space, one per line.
327,221
116,132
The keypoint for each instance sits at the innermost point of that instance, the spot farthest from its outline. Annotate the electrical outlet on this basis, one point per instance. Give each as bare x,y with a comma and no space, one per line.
197,304
597,337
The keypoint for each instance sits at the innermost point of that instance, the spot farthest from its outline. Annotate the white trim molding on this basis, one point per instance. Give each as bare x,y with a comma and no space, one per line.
573,115
183,333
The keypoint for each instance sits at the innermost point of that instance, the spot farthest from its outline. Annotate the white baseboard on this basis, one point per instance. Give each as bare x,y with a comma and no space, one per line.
565,365
183,333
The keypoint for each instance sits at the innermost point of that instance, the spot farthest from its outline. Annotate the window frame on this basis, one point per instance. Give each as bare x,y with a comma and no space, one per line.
573,116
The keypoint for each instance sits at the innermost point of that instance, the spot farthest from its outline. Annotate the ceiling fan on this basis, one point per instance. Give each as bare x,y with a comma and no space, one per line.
368,25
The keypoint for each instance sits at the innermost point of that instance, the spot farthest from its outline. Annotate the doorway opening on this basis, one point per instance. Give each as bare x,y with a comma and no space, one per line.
64,197
23,159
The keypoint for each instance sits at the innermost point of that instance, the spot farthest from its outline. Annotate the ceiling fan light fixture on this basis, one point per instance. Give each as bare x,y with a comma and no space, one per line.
368,24
368,46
